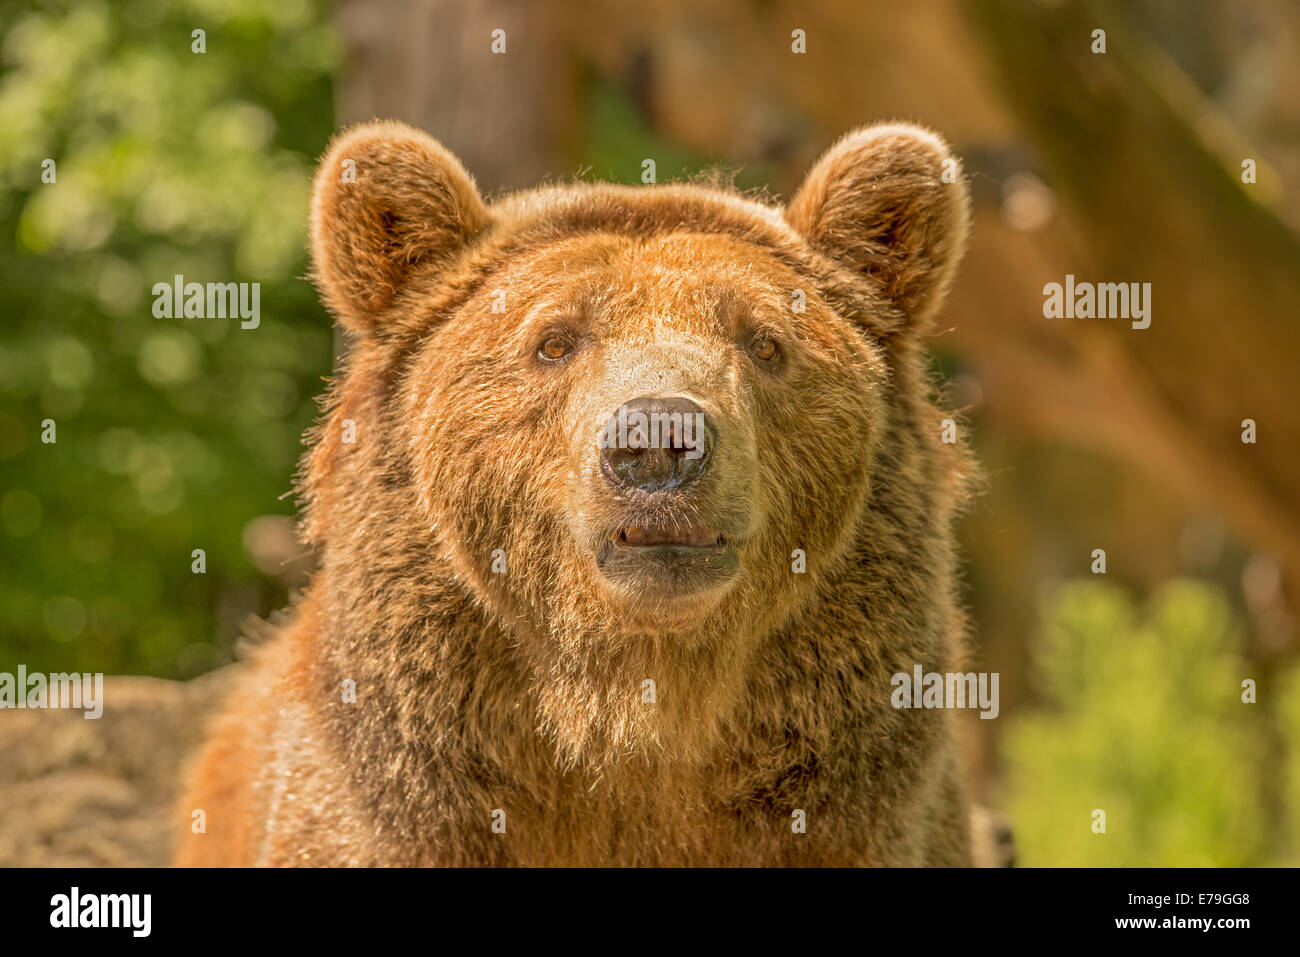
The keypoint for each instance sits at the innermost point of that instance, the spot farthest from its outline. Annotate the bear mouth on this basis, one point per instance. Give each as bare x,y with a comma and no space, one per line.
646,536
665,561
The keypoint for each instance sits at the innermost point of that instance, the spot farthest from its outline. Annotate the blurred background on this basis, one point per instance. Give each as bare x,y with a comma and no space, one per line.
1120,691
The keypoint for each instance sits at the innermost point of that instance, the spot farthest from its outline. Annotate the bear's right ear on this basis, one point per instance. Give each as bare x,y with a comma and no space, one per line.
386,200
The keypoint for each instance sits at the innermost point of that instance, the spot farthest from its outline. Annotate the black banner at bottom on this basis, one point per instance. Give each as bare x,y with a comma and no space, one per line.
584,908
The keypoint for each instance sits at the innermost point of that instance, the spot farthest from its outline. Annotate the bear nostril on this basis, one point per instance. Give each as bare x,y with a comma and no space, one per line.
656,444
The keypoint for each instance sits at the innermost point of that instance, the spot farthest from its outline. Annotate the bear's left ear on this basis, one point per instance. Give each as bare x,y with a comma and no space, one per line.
891,202
386,200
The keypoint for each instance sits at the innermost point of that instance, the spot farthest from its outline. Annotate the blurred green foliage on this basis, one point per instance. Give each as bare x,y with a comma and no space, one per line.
1146,722
171,433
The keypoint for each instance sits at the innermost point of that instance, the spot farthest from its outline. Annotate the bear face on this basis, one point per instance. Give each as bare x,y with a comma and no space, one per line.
629,531
614,419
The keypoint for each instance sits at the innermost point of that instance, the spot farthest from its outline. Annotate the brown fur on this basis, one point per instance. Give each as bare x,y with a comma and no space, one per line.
522,691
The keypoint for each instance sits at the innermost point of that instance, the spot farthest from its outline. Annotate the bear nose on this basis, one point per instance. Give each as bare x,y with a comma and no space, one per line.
656,444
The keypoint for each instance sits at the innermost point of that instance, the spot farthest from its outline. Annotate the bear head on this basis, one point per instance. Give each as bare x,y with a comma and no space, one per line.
634,428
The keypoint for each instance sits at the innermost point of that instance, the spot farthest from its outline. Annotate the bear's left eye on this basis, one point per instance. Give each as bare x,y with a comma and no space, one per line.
553,348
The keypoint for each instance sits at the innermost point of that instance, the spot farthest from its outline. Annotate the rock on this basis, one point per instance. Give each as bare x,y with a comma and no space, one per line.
992,840
98,792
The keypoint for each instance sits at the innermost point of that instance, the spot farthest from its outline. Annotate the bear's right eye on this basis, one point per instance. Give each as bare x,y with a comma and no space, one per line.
764,348
554,348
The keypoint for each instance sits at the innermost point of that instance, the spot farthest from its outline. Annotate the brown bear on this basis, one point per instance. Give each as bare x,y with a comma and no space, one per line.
629,502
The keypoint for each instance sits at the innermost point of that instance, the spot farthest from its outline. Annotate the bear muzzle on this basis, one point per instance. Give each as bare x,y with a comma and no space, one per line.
654,451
